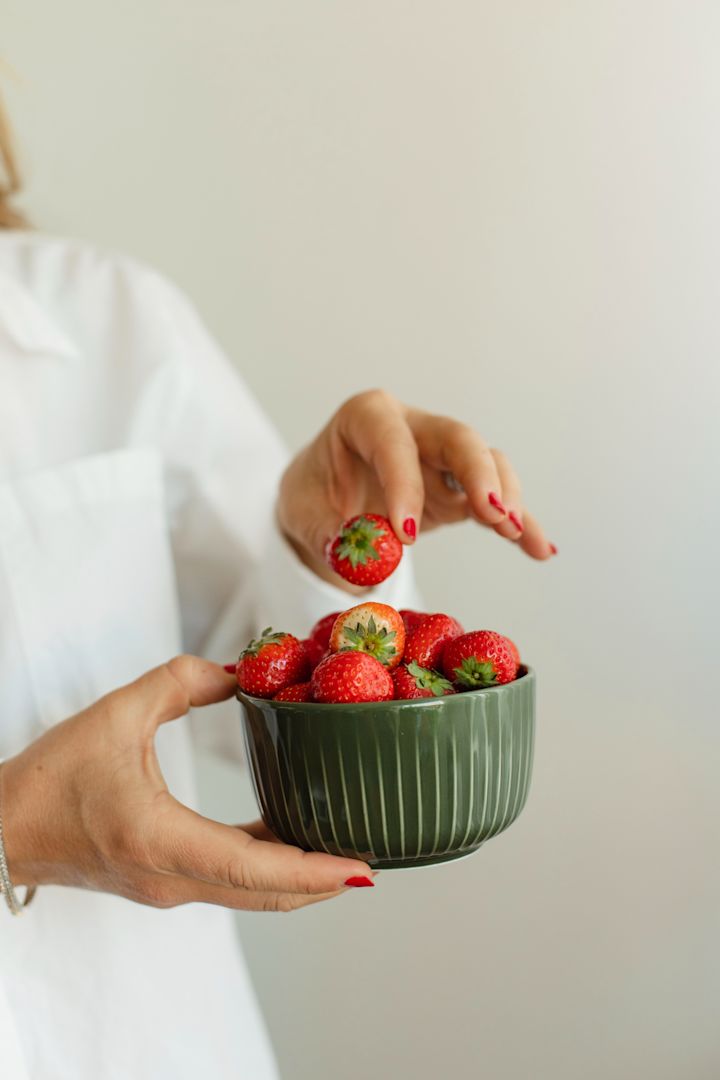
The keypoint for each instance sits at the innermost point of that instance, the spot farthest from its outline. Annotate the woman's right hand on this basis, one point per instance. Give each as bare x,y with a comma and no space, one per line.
86,805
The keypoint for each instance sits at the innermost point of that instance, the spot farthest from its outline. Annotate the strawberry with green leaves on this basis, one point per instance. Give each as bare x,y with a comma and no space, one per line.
351,677
270,663
480,658
413,681
365,551
376,629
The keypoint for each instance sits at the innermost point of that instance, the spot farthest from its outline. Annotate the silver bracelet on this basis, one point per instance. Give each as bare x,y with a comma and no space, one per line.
6,886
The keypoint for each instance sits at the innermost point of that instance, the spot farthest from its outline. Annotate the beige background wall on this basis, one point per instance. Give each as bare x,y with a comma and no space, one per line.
509,212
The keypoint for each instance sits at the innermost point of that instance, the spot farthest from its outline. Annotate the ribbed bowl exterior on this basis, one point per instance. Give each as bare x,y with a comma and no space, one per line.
398,783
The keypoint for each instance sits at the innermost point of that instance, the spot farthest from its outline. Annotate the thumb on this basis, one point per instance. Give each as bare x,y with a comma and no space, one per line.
168,691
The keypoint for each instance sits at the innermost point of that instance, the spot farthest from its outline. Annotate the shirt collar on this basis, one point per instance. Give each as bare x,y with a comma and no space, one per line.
29,325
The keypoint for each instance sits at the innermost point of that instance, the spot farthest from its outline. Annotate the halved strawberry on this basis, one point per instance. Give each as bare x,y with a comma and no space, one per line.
314,651
365,551
321,630
372,628
413,681
426,642
412,619
271,663
480,658
351,677
298,692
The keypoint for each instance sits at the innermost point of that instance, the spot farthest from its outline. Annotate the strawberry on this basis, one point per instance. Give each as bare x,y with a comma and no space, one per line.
514,650
271,663
297,692
365,550
413,681
314,651
372,628
321,630
411,619
426,642
480,658
351,676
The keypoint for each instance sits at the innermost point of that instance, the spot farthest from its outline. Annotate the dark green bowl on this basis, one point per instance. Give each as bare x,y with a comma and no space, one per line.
396,783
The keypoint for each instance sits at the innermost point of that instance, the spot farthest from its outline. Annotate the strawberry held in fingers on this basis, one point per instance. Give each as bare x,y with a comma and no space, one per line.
372,628
351,677
426,642
413,681
298,692
480,658
271,663
365,551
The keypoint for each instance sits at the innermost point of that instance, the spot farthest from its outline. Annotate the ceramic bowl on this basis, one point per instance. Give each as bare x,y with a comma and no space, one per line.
395,783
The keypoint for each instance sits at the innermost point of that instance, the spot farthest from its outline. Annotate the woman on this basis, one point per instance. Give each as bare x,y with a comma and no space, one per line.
146,508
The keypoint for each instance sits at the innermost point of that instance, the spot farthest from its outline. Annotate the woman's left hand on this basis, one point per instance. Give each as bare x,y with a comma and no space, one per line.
380,456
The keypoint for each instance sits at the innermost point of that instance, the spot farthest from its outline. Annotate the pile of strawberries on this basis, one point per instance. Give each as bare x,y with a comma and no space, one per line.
371,652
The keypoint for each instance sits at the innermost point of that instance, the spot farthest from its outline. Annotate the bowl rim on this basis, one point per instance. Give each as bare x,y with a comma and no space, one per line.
324,707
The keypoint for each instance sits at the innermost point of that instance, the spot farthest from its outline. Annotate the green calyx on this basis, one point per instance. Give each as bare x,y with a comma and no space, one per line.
425,679
357,543
267,637
378,642
475,673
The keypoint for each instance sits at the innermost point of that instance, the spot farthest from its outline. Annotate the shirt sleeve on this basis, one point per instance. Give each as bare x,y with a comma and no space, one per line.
235,572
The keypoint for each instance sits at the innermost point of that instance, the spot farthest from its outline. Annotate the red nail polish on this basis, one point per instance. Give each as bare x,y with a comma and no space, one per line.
553,549
410,528
495,501
516,520
230,668
360,882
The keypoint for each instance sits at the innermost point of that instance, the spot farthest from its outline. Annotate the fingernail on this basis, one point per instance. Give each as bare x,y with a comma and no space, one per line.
495,501
516,520
230,668
410,528
360,882
553,549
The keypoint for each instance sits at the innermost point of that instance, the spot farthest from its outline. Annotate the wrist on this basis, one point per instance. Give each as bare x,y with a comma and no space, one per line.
15,802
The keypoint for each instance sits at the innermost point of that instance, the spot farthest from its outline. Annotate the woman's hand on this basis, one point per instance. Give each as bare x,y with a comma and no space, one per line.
86,805
381,456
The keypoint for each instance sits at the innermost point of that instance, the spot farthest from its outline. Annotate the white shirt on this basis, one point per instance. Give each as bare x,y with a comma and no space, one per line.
137,483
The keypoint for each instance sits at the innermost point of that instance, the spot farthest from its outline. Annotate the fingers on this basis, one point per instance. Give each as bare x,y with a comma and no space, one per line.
374,426
188,844
533,540
260,831
512,526
482,474
168,691
444,505
519,525
449,446
171,890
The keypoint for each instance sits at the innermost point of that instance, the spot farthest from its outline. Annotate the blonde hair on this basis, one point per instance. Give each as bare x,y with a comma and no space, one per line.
10,182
